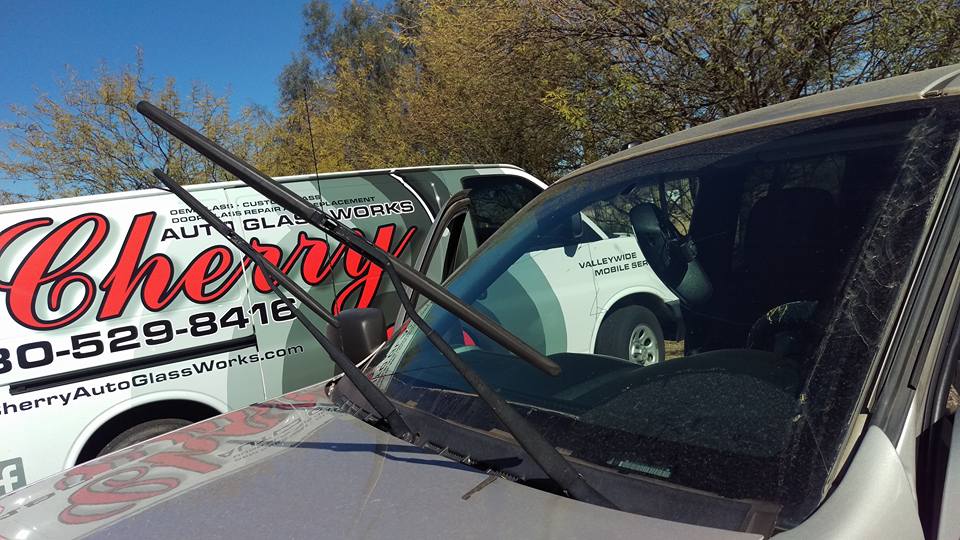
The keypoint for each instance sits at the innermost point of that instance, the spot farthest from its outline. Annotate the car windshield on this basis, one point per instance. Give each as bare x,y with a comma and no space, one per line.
715,307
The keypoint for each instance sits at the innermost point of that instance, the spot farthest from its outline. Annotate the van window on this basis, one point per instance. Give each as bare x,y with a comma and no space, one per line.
675,197
494,200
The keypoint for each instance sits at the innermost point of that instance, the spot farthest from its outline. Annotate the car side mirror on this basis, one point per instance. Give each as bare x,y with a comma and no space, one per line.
361,331
574,231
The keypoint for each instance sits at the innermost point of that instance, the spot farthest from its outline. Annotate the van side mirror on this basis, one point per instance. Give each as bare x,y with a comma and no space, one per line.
361,331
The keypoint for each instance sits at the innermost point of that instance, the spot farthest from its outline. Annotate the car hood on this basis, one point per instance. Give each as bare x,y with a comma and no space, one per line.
297,467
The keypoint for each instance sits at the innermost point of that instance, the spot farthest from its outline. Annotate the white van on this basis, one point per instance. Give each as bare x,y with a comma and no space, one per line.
630,314
125,315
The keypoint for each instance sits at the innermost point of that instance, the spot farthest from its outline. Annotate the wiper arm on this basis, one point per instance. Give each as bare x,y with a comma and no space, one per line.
318,218
377,399
553,464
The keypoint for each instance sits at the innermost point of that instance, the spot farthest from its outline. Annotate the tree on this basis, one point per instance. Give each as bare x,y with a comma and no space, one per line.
12,197
658,66
296,80
338,105
420,83
470,96
89,139
553,84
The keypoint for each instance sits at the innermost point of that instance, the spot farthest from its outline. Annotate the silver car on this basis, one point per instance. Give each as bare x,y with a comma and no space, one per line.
813,247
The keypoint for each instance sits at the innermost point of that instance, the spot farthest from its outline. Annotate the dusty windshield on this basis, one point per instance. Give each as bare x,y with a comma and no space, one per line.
715,308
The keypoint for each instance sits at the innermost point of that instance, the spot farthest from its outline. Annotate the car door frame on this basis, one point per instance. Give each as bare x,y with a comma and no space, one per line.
897,404
457,206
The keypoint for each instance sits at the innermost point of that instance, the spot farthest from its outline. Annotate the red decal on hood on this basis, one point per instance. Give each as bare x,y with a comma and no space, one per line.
116,483
114,493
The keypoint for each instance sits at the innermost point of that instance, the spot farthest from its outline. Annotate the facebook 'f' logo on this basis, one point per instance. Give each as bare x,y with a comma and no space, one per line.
11,475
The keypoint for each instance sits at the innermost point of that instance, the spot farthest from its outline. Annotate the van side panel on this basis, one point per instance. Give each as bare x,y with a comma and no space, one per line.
112,301
380,208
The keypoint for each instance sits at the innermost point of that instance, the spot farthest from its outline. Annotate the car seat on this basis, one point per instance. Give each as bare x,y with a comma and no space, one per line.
790,248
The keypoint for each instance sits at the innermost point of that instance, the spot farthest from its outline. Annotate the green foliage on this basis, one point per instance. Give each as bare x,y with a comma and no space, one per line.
548,85
427,83
91,140
552,84
665,65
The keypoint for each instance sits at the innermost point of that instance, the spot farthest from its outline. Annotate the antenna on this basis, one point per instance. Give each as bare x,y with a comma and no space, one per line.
313,149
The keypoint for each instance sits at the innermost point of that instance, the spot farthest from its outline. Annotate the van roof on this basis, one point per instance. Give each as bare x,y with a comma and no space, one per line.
943,81
387,171
83,199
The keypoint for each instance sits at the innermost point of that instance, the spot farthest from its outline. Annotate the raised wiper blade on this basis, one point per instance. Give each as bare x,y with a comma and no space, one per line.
537,447
377,399
318,218
553,464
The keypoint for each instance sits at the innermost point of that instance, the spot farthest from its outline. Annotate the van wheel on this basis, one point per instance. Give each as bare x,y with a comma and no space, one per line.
142,432
632,333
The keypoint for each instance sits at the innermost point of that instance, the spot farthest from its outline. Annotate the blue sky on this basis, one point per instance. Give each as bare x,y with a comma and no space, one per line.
238,46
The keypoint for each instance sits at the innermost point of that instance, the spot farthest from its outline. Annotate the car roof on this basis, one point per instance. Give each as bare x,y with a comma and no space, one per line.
936,82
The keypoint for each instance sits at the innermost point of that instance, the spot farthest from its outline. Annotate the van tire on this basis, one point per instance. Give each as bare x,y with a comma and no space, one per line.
632,333
142,432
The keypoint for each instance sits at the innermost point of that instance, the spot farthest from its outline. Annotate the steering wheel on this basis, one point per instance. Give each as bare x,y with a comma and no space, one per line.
784,329
671,255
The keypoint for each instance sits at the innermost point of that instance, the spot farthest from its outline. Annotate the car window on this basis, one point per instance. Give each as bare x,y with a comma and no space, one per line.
782,251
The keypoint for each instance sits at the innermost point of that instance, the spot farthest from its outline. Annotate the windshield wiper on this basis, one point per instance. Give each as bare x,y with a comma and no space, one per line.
377,399
318,218
553,464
